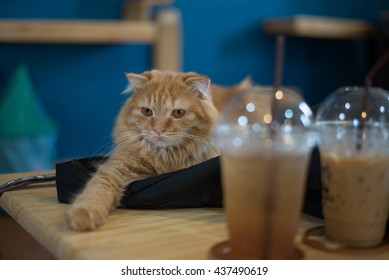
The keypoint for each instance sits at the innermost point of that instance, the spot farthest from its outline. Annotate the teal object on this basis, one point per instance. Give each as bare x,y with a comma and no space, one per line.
21,112
28,135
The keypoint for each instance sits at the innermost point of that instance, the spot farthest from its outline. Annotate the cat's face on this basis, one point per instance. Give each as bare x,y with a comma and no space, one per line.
167,109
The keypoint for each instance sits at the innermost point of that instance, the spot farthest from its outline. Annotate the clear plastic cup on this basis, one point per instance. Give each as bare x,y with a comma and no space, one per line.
354,149
265,141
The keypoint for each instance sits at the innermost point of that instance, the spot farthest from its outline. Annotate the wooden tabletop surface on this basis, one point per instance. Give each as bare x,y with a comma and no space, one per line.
135,234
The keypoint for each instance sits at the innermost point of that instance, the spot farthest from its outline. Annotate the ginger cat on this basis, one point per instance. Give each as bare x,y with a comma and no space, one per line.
164,126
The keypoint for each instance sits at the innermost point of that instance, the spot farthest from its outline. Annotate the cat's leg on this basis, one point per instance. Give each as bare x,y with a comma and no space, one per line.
102,193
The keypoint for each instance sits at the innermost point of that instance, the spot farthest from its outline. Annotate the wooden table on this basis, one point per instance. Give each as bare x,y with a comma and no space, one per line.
131,234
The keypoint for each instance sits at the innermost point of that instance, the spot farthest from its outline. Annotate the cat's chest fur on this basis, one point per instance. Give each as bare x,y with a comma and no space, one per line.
167,159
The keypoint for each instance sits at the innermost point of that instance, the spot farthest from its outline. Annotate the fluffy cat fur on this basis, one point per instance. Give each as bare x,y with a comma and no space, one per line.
165,125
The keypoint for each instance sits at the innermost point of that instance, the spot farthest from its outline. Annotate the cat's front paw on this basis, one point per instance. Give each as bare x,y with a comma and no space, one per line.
85,217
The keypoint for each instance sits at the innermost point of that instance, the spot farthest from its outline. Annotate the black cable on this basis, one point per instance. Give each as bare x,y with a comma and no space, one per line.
27,181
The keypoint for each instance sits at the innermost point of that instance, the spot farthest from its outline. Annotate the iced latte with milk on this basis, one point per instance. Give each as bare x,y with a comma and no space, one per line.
354,148
355,198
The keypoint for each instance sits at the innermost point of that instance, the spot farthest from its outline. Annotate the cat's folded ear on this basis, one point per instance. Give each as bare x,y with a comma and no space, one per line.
199,84
135,82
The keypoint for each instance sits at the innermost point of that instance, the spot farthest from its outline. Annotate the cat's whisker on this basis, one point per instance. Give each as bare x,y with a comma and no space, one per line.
105,148
138,152
198,137
126,139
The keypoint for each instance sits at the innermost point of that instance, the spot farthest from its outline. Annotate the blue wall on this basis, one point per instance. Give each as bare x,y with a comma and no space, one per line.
80,85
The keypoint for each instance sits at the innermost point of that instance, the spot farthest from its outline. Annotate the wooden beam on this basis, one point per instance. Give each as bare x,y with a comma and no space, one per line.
76,31
318,27
167,50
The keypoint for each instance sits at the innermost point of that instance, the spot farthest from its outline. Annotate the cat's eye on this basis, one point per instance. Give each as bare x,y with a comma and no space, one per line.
178,113
146,111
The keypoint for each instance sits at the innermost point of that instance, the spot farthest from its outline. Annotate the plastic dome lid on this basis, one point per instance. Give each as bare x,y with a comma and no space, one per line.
262,118
346,104
349,123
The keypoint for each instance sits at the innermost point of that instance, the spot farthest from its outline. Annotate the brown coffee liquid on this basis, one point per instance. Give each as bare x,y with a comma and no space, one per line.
259,228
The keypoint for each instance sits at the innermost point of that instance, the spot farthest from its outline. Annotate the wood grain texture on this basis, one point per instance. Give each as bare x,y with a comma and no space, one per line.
128,234
134,234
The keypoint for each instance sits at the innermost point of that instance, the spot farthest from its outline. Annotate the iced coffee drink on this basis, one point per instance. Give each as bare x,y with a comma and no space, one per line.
263,194
354,146
355,198
265,146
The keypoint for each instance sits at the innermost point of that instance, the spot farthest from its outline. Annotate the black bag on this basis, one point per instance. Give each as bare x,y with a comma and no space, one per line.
196,186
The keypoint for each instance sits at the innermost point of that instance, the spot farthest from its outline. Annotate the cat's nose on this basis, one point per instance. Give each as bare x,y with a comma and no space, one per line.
159,130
